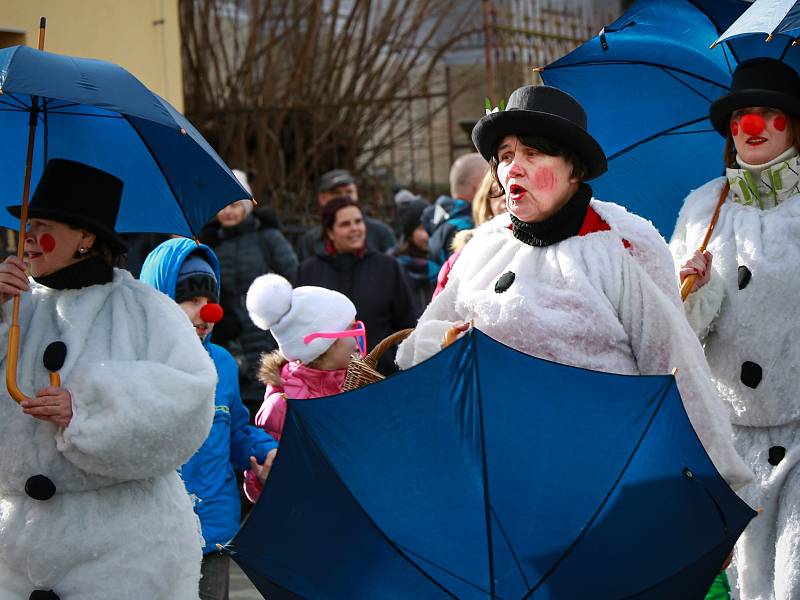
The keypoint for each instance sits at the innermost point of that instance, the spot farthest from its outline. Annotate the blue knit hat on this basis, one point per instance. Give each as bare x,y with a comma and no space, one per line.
196,278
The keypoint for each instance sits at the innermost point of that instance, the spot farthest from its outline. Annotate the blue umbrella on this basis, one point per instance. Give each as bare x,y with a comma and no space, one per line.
96,112
770,18
646,82
762,31
486,473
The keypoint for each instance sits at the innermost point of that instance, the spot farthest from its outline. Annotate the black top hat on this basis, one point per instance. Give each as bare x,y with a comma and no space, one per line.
79,195
544,111
758,82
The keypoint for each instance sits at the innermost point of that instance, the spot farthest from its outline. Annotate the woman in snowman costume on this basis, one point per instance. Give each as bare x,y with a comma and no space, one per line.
91,504
744,307
568,278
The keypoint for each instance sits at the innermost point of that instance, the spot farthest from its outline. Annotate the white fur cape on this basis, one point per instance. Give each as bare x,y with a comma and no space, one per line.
760,324
587,301
121,524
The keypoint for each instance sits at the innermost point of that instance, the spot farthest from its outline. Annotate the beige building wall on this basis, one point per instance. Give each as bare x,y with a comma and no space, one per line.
143,36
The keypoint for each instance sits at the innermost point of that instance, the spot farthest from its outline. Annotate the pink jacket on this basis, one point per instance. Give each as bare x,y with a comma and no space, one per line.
444,273
297,382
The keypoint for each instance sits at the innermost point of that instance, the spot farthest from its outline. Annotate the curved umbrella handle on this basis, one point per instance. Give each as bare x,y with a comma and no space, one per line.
11,358
688,283
13,331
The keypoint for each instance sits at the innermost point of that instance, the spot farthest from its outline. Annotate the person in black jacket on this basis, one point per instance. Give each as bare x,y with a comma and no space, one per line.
374,282
333,184
247,246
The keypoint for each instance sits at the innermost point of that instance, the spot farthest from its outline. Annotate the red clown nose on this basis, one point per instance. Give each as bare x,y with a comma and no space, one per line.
47,243
753,124
211,313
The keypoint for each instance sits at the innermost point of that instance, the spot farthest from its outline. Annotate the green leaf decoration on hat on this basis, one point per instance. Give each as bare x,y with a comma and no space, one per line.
489,110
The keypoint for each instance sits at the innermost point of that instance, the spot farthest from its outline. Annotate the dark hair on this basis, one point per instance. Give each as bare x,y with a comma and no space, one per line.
729,153
102,249
328,212
545,146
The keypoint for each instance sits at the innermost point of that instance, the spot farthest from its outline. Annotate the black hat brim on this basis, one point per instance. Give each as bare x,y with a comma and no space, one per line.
118,246
722,109
495,126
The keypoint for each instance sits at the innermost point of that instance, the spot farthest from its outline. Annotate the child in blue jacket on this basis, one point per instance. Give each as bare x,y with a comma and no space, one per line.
189,273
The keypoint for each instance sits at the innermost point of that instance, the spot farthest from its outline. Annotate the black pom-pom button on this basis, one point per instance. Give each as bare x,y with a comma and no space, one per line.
504,282
776,454
43,595
40,487
751,374
54,356
744,276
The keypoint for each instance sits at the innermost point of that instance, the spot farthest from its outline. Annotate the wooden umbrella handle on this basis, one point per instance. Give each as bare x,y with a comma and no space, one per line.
13,331
688,283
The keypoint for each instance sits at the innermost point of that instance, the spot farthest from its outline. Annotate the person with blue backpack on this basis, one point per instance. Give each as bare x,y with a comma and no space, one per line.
189,273
453,213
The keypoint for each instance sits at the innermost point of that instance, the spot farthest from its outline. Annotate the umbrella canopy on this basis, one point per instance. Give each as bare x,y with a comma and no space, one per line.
95,112
769,18
486,473
646,82
768,28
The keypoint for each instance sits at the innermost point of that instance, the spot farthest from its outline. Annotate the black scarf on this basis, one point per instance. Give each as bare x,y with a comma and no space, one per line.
90,271
560,226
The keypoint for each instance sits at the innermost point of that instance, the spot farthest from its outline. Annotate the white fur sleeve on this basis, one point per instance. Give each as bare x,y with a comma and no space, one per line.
701,307
426,340
134,419
662,340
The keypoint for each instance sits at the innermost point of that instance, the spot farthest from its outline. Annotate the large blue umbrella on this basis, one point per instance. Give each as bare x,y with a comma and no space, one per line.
96,112
486,473
647,81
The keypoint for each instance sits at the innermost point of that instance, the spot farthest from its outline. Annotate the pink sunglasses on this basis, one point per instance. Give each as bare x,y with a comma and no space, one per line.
359,331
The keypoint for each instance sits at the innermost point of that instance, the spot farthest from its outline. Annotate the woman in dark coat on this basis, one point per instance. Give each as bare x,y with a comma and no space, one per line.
412,254
374,282
247,246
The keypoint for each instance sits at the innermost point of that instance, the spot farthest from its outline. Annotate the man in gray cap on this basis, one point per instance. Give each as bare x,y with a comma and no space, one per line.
332,184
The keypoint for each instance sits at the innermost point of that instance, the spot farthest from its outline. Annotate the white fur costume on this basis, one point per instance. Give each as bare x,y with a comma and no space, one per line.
587,301
760,325
120,524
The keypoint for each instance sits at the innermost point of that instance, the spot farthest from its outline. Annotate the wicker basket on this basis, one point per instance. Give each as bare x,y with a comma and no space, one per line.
363,371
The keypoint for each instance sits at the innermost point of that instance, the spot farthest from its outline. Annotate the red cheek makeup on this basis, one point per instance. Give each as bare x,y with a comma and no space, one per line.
47,243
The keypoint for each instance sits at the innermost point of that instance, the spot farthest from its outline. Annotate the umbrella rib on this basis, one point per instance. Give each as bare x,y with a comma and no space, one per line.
689,132
53,106
786,49
668,131
637,62
19,102
605,500
299,419
510,547
487,506
448,571
684,83
82,114
725,50
163,174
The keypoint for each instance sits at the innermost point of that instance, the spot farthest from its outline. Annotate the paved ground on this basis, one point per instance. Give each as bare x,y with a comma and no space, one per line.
241,588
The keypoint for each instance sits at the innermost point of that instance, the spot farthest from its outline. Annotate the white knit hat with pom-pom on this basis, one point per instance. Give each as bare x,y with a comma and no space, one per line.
292,314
